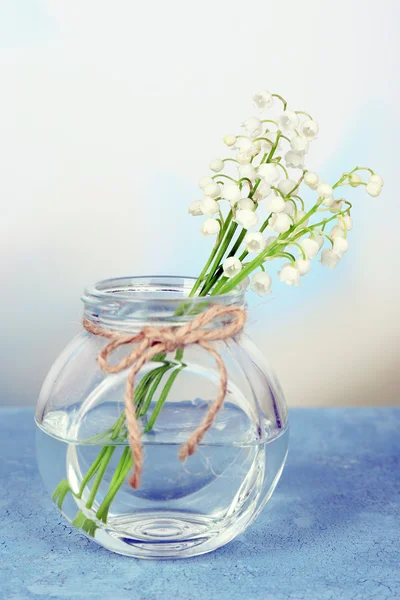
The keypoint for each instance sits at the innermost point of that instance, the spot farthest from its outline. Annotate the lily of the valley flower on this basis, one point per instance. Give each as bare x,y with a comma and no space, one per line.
312,180
286,186
289,274
210,227
246,218
303,266
204,182
309,130
310,247
276,204
263,100
230,140
195,208
231,192
269,172
247,171
253,126
288,121
261,283
329,258
232,266
345,222
340,246
294,160
217,165
213,190
246,203
254,241
263,190
374,185
209,206
280,222
300,144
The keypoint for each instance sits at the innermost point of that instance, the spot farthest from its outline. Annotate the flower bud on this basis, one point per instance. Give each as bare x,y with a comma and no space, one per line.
311,179
230,140
217,165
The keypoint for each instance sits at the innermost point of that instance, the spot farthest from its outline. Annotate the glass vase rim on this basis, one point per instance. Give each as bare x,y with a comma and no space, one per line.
123,303
113,288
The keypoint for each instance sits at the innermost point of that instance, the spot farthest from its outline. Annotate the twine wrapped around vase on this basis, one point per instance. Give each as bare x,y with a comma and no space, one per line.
151,341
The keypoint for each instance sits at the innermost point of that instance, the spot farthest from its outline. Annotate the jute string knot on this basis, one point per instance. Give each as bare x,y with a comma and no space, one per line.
151,341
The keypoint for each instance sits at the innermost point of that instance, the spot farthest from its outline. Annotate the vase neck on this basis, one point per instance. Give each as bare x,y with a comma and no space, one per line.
131,303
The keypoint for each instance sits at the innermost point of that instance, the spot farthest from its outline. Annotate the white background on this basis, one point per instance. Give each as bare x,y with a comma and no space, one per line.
110,113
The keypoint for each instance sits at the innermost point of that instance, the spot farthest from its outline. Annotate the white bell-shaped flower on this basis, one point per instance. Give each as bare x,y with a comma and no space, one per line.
286,186
303,266
253,126
229,139
294,160
263,100
209,206
254,242
310,246
312,180
319,239
261,283
289,208
289,274
346,222
210,227
195,208
263,190
276,204
336,232
247,171
246,218
287,121
309,129
213,190
281,222
325,190
231,192
217,165
245,150
300,144
232,266
246,203
204,182
340,246
244,284
329,258
269,172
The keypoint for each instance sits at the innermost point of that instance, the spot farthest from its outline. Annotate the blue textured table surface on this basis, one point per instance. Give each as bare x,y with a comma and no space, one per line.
330,532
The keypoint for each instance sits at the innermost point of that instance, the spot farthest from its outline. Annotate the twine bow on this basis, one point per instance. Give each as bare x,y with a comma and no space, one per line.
154,340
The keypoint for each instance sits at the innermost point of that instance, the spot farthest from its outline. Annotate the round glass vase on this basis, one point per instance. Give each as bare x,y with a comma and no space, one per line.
181,509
